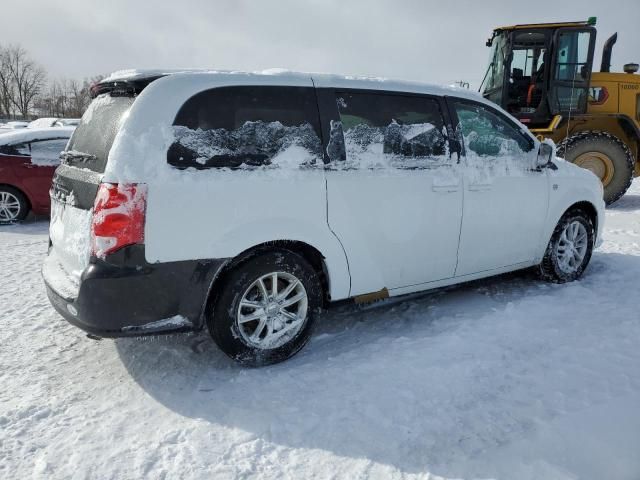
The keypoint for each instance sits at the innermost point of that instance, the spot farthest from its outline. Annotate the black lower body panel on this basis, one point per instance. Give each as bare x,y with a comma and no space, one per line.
125,296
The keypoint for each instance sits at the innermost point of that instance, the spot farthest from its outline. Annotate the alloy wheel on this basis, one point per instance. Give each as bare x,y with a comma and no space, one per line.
572,247
272,310
9,207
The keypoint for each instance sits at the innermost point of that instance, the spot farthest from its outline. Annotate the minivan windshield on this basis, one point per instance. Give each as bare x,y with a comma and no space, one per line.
91,142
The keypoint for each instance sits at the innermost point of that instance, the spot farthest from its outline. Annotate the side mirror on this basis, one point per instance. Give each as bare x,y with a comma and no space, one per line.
545,155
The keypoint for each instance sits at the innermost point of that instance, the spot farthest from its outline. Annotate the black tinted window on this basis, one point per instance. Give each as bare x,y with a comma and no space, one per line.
247,127
389,130
22,149
91,142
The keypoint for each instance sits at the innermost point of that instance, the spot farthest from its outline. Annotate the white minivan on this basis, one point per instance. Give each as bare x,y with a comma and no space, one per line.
248,202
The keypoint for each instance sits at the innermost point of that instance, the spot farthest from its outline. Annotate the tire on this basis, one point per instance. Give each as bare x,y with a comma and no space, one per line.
576,149
552,268
14,206
242,284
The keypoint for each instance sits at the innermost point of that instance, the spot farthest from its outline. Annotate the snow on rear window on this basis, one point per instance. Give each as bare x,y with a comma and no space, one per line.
254,144
394,146
378,131
93,138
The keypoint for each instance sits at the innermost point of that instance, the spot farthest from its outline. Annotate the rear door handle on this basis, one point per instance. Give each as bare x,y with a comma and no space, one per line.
479,187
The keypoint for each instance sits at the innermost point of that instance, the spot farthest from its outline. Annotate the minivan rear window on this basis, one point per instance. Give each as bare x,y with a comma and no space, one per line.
247,127
91,142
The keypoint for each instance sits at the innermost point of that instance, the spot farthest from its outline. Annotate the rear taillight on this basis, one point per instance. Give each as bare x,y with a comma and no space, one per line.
118,217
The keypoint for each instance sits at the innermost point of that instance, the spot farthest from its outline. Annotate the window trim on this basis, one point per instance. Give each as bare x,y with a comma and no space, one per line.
451,100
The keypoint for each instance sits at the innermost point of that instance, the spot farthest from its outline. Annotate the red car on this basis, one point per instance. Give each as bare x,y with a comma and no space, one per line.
28,158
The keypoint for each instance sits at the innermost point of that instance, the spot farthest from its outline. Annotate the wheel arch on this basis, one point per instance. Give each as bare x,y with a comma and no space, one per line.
310,253
586,206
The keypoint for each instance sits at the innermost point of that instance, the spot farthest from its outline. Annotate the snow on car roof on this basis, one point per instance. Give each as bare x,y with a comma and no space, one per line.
43,122
31,134
292,78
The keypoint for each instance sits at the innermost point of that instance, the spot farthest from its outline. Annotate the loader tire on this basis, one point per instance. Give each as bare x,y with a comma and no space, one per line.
608,157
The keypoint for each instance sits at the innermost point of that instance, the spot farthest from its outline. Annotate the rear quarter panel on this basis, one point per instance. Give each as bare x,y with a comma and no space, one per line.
220,214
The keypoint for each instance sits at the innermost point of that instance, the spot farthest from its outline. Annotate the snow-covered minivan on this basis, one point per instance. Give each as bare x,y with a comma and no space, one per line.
248,202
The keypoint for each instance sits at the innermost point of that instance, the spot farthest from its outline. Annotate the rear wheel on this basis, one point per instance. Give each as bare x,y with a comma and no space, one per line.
606,156
14,206
265,311
569,249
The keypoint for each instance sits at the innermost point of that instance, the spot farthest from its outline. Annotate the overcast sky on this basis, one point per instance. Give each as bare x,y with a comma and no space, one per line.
437,42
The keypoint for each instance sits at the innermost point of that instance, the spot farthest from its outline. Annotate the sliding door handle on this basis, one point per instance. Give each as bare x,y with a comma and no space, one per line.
480,187
445,188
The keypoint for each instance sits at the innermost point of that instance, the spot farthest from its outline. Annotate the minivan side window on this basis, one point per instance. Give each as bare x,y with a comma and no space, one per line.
247,127
488,133
387,130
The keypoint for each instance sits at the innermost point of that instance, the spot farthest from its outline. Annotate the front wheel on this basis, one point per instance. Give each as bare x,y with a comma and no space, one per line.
265,311
569,249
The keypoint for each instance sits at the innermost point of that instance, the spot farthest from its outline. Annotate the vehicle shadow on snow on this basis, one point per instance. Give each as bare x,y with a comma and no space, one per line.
32,225
415,384
627,203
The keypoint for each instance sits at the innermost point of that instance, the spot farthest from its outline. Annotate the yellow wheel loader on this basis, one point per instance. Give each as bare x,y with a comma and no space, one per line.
542,74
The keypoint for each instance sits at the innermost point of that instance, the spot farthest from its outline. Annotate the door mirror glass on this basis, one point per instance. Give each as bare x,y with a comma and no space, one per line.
545,155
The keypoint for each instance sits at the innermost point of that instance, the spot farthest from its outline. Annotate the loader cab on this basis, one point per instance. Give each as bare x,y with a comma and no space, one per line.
539,71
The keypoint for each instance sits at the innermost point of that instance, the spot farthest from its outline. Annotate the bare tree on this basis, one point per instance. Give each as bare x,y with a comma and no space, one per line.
6,84
66,97
27,77
24,91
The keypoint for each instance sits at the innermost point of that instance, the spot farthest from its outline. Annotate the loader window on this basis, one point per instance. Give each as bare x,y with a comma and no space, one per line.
573,53
527,72
572,70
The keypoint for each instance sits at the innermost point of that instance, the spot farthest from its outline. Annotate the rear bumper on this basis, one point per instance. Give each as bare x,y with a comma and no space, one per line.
136,298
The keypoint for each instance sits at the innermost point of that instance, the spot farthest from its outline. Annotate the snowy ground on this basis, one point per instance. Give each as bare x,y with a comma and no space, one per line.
508,378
